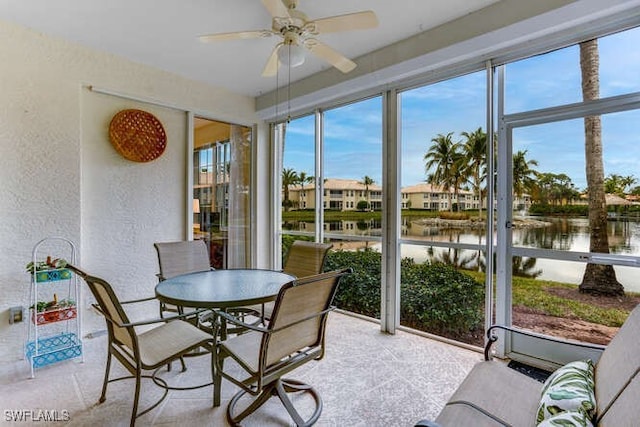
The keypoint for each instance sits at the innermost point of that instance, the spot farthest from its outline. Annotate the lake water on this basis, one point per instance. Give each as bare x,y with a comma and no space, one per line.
564,234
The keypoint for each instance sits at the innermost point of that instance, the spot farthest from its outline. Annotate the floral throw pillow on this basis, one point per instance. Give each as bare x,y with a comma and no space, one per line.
570,388
567,419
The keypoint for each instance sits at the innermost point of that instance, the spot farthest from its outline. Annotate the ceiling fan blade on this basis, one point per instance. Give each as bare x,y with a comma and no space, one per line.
276,8
330,55
235,36
271,68
351,21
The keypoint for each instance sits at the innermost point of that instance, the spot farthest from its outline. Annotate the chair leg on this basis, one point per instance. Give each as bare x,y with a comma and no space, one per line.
280,388
162,307
217,378
282,395
134,413
103,396
284,386
260,400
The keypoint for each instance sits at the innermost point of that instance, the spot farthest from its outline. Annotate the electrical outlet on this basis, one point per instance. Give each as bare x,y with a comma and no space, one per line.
15,314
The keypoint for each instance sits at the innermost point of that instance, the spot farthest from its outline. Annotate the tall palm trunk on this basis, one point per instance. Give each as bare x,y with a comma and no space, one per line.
597,279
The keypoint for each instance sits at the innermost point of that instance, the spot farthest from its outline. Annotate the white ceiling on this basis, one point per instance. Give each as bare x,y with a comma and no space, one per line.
163,33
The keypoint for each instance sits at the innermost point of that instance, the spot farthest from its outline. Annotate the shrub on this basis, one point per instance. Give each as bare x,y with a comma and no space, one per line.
362,205
434,297
549,210
453,215
437,298
358,292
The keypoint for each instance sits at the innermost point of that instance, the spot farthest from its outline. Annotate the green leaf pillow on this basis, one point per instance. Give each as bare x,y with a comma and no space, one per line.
567,419
570,388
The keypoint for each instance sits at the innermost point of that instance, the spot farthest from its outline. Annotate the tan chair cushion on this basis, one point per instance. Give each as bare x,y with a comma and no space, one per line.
246,347
163,342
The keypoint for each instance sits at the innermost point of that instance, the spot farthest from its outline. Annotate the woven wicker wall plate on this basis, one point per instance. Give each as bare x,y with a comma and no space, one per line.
137,135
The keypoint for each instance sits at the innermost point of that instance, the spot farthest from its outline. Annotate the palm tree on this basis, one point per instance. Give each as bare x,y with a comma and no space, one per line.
617,184
367,181
303,179
627,182
524,176
460,174
475,153
597,279
442,157
289,177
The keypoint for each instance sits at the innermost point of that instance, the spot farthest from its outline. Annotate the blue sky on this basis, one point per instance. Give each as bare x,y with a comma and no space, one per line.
353,133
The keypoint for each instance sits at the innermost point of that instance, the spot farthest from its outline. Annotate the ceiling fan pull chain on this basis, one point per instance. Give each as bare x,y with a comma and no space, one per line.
289,88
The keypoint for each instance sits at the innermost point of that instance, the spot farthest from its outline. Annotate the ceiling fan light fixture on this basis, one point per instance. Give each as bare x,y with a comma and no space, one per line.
291,55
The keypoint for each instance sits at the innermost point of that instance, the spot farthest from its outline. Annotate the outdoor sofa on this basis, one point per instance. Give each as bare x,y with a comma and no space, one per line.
493,394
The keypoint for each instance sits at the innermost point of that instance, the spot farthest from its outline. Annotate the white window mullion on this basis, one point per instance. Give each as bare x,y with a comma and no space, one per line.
391,173
319,176
504,214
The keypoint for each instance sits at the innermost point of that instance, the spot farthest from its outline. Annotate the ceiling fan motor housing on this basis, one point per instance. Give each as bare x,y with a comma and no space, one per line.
296,23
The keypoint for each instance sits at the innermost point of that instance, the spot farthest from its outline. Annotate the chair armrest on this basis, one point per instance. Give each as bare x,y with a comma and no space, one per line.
492,337
150,321
238,322
133,301
232,319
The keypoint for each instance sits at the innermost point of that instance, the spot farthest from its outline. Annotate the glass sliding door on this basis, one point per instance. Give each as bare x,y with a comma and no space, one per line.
222,191
443,207
572,239
298,182
331,191
352,201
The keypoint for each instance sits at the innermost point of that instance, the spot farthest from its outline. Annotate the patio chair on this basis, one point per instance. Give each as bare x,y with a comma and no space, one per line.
303,259
293,336
145,351
176,258
306,258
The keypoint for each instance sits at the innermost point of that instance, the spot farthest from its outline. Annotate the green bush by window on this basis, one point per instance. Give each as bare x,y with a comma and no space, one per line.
434,297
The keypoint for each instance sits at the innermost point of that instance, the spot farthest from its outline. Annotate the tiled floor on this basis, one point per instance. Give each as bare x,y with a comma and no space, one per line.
366,378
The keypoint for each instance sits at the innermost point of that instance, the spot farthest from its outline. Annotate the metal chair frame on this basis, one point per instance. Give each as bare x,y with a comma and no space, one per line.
125,347
284,345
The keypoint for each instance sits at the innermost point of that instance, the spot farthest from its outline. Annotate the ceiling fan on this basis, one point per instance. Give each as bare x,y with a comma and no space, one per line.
298,33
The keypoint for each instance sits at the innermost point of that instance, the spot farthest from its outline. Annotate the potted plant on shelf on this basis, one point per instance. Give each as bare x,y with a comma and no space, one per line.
50,270
53,311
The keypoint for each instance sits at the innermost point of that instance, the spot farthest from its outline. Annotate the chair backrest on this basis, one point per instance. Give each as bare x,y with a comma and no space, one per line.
176,258
616,375
306,258
299,315
110,307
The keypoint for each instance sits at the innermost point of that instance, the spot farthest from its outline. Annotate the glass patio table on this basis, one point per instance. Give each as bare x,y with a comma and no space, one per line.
222,289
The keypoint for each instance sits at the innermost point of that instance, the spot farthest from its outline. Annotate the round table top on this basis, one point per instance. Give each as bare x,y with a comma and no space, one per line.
222,288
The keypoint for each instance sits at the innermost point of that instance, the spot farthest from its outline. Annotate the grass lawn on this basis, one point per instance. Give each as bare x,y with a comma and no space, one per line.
564,300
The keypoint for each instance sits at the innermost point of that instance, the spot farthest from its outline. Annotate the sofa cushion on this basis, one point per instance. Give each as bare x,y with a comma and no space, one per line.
567,419
490,388
619,362
625,410
569,388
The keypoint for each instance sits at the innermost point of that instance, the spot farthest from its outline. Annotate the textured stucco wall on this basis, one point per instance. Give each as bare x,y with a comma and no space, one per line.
59,175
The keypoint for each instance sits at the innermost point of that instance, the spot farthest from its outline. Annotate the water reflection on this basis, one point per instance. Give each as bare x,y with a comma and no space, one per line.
564,234
572,234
